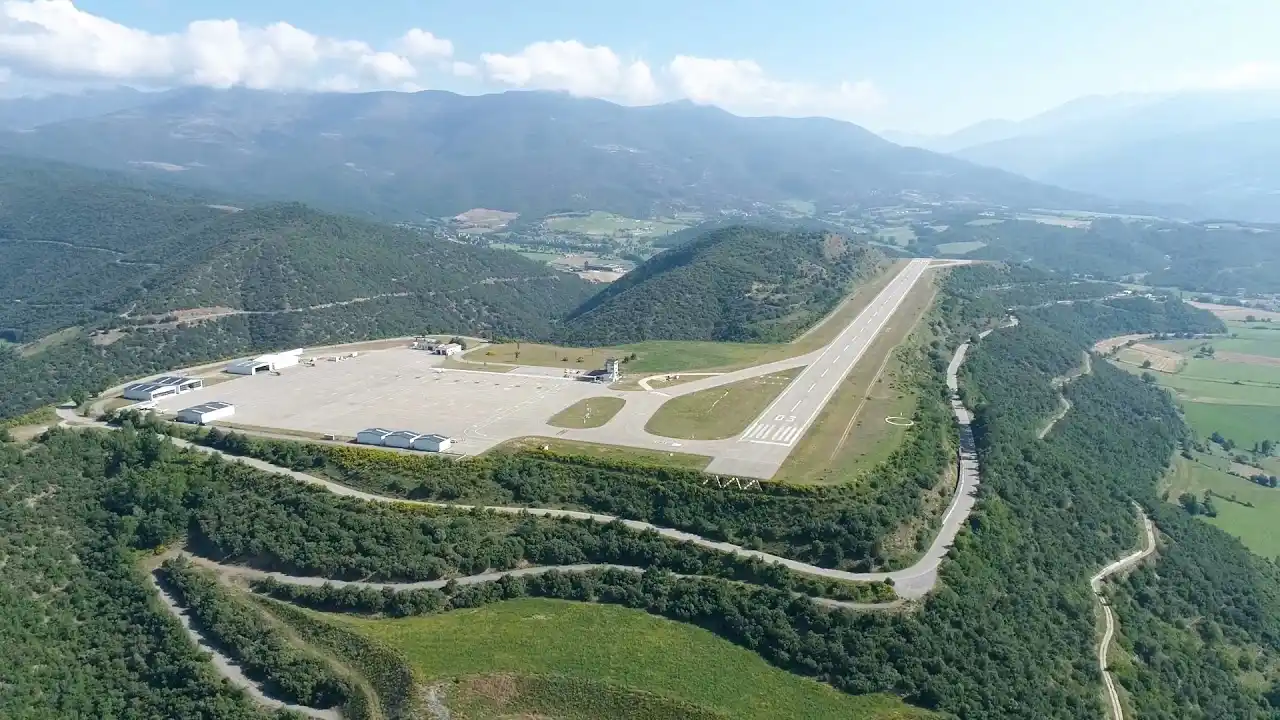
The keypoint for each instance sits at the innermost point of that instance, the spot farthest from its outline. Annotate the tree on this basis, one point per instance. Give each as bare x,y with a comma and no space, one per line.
1266,447
5,435
1148,378
1189,503
1146,364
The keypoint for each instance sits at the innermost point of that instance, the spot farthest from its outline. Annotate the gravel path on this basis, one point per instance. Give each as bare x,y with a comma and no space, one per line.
226,667
1095,583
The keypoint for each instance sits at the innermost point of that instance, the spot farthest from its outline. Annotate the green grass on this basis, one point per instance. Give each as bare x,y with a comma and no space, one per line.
850,435
960,248
1245,424
900,236
661,356
503,696
617,453
719,412
800,207
60,337
589,413
621,647
1202,369
1255,526
607,224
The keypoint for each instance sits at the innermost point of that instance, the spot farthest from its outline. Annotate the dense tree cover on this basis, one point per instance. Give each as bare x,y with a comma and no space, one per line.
840,526
78,248
80,629
85,249
1217,257
738,283
258,646
231,512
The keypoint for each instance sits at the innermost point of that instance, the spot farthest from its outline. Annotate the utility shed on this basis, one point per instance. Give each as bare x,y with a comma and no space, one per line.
432,443
160,387
400,439
205,413
372,436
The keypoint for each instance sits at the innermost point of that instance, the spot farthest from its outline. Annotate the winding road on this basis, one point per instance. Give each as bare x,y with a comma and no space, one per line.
910,583
1095,583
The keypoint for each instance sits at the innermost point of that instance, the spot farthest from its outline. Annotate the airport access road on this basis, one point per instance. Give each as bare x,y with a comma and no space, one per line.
764,446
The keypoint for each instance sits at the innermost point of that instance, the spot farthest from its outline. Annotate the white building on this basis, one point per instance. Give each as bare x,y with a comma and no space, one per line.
162,387
400,439
612,370
432,443
447,349
372,436
205,413
265,363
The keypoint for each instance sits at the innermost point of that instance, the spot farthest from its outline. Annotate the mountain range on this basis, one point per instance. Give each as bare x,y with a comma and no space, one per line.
410,156
1216,153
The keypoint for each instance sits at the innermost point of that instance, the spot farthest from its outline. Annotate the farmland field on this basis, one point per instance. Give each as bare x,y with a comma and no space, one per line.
1255,526
900,236
608,224
960,248
1235,393
622,648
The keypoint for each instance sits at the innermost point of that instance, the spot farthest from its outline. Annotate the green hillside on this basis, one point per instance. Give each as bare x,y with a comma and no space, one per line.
94,251
741,284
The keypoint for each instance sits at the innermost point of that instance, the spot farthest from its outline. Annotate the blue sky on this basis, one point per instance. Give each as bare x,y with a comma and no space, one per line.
918,65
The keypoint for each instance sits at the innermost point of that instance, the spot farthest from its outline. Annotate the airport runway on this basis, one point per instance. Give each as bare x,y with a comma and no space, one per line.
767,442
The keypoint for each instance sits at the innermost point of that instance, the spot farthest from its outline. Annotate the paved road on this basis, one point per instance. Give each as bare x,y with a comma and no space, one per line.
763,447
910,583
485,577
1113,697
765,444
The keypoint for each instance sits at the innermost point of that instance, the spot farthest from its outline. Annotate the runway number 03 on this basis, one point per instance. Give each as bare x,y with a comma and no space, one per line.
785,418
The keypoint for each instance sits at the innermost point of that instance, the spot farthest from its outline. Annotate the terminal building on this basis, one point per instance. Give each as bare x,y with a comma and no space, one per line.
161,387
265,363
205,413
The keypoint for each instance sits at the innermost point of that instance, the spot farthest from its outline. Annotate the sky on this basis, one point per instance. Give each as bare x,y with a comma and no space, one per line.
925,66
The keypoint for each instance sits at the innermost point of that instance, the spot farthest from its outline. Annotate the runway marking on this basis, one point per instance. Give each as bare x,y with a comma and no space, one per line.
793,407
777,435
789,435
811,387
824,372
768,442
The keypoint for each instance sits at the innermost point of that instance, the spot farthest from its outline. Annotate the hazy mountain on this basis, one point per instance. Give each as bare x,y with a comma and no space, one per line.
409,155
24,113
1209,150
746,284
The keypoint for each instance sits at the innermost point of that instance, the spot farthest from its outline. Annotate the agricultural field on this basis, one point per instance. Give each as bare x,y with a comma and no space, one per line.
608,225
851,434
589,413
900,236
618,648
1254,525
720,412
1235,391
961,248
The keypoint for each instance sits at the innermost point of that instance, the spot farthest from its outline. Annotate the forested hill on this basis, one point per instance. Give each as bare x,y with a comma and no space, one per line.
81,247
746,284
84,252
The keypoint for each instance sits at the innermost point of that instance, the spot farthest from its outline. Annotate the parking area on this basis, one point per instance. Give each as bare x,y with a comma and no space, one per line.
398,389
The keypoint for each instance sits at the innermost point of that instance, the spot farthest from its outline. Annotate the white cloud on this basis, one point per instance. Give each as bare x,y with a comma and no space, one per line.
742,86
53,42
578,69
464,69
418,43
54,39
